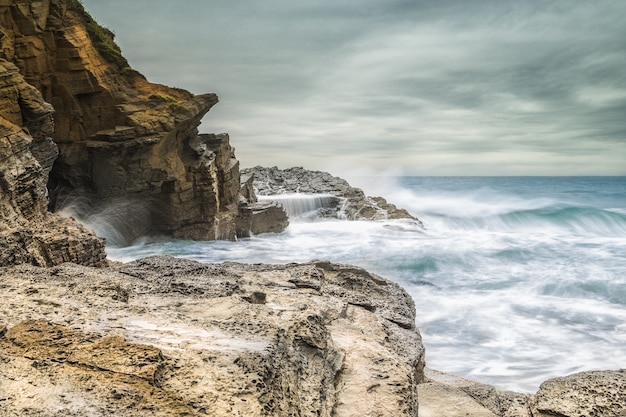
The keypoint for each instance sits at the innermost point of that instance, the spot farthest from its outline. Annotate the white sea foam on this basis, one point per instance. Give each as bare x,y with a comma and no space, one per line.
511,287
302,205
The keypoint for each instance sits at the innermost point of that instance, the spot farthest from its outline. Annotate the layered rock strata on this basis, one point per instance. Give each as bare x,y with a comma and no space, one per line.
28,233
347,201
131,161
165,336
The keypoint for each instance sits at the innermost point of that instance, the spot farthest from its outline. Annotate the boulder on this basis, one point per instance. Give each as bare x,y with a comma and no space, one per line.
586,394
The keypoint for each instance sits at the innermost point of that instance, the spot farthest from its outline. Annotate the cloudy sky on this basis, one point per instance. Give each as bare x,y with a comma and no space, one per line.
446,87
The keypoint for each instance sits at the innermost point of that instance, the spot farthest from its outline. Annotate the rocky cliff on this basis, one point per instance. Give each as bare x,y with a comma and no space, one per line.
170,337
28,233
130,159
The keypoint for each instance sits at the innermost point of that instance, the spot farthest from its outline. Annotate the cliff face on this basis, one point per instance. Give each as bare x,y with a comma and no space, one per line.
28,233
131,161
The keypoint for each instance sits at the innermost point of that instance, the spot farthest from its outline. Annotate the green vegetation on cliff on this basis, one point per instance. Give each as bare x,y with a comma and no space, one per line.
102,37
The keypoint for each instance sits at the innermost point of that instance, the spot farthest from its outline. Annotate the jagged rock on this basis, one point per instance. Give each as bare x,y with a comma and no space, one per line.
258,217
350,202
28,233
165,336
131,161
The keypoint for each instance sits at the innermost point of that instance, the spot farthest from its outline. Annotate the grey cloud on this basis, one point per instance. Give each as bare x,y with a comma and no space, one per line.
454,86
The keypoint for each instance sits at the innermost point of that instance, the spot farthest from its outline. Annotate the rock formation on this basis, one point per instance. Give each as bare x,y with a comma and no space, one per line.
345,200
170,337
601,393
28,233
586,394
131,161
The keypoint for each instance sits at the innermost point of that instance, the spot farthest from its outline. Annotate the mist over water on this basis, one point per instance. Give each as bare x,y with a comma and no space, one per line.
515,280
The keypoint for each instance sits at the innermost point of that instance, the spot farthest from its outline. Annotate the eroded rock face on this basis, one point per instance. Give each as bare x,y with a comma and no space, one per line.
131,161
165,336
349,201
28,233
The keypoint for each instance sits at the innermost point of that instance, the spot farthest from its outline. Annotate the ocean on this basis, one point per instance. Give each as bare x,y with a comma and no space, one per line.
515,279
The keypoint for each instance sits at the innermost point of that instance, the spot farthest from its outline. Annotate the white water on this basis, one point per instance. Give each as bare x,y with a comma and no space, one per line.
302,205
515,281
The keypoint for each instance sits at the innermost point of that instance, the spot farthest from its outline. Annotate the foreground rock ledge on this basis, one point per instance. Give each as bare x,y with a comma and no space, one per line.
171,337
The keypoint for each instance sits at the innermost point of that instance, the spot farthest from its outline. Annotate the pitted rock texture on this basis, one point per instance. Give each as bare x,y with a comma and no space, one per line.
165,336
131,161
349,201
587,394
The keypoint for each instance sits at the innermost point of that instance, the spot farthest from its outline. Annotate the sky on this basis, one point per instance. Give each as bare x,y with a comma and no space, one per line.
403,87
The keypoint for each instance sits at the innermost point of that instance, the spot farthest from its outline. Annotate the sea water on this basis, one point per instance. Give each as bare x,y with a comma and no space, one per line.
515,279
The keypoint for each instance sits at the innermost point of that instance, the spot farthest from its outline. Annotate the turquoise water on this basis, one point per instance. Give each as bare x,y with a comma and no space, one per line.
515,280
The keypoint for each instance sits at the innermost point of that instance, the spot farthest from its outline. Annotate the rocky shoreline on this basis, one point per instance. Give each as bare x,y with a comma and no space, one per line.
165,336
169,337
345,201
83,132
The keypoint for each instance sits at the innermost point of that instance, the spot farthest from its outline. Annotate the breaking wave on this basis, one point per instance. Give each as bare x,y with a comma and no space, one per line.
515,280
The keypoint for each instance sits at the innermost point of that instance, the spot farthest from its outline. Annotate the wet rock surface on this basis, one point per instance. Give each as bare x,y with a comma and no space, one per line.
349,201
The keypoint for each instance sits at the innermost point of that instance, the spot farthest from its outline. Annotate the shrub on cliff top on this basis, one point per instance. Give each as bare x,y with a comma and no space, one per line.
102,38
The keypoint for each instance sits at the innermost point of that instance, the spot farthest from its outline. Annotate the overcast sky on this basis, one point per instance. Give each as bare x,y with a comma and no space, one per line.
445,87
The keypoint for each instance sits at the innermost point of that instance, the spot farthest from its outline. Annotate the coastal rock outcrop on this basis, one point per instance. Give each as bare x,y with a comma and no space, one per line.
342,199
28,233
130,159
171,337
585,394
165,336
600,393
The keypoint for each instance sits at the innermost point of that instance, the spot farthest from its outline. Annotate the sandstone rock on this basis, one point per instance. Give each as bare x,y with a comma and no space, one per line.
131,161
50,369
350,202
587,394
599,393
28,233
165,336
442,400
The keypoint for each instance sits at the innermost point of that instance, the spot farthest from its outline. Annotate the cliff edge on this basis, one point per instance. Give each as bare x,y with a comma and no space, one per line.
130,159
